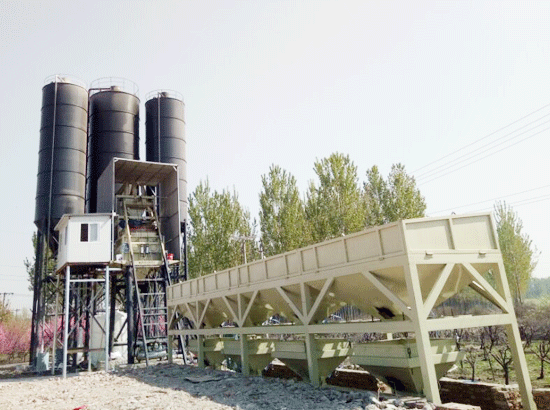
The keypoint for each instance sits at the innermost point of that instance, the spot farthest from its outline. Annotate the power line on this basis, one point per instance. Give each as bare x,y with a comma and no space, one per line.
529,201
488,147
493,199
10,276
516,204
486,156
481,139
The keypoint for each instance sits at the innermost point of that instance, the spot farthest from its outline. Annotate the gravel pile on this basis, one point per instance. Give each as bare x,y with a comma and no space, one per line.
173,386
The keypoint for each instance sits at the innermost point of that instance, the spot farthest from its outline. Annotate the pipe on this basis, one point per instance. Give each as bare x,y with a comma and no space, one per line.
66,324
107,317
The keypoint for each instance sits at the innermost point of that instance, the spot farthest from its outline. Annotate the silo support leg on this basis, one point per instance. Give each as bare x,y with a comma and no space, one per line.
245,364
66,319
169,346
312,363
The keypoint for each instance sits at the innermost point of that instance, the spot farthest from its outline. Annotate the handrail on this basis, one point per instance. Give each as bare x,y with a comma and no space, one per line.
115,84
163,94
64,78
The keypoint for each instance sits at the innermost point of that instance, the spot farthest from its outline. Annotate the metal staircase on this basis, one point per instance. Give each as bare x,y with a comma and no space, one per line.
140,243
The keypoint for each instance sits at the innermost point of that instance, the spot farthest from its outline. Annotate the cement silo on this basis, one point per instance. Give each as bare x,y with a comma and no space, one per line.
62,153
113,129
165,142
61,178
165,136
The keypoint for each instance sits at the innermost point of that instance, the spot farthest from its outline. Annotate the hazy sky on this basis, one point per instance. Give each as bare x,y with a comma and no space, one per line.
284,82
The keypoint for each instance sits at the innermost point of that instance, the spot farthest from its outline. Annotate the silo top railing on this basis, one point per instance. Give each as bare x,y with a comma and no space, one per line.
164,93
115,84
65,78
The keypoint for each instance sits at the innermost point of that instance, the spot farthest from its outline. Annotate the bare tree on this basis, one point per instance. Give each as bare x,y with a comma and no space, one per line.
531,319
503,356
543,354
471,357
490,336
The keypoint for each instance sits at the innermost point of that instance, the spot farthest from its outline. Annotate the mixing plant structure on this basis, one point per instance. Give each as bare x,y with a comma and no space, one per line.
110,228
110,274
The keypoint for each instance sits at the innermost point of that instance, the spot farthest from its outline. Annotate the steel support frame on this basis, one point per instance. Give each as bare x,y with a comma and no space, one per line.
88,284
44,293
500,297
146,326
37,308
417,320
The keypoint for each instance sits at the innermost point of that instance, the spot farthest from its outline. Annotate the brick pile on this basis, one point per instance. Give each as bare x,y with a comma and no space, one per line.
542,398
488,396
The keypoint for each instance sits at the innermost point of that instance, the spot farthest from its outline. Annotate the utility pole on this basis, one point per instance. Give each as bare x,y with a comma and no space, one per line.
4,294
243,240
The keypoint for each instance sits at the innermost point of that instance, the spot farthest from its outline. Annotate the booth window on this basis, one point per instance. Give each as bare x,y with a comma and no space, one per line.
89,232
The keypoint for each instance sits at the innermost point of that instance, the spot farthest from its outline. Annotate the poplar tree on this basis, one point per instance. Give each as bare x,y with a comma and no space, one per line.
282,214
375,192
393,199
518,252
404,198
217,220
335,206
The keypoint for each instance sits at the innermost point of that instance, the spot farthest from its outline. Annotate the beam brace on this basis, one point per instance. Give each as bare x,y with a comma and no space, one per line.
436,290
388,293
320,297
290,303
248,307
496,298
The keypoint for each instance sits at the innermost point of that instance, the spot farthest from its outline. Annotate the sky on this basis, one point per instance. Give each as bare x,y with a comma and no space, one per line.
458,92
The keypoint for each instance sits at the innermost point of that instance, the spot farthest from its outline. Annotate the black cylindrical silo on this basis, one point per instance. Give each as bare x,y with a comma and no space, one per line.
113,128
62,153
165,136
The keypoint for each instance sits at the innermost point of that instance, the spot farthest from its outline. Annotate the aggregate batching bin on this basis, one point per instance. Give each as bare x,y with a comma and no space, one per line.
259,353
114,129
216,350
397,362
329,354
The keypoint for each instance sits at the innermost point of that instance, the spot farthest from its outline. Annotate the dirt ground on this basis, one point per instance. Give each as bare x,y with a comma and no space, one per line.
176,386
